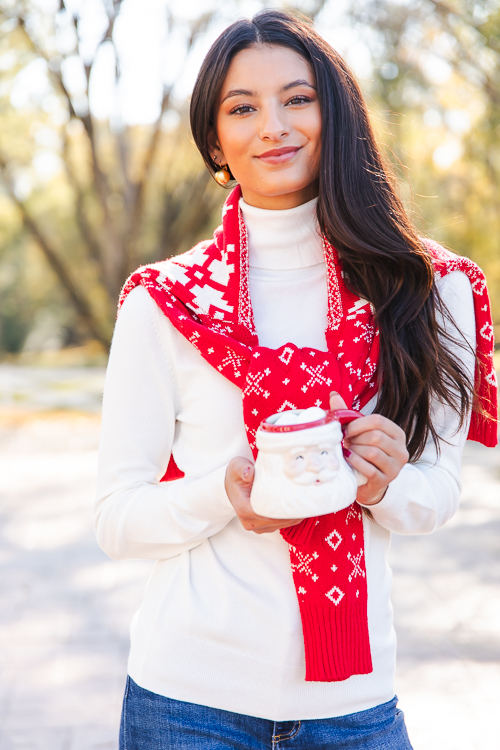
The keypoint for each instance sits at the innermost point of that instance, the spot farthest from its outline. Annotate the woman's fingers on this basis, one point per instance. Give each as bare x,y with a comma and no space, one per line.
374,457
367,468
241,469
240,474
374,422
378,451
275,524
262,525
336,401
238,483
376,438
374,445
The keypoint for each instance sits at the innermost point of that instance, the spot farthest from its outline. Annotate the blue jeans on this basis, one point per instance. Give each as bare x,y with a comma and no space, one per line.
152,722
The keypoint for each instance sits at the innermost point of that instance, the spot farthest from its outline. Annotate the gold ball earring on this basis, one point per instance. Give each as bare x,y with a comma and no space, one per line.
223,175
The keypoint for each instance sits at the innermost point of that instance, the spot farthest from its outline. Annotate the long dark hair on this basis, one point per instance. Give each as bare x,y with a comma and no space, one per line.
359,212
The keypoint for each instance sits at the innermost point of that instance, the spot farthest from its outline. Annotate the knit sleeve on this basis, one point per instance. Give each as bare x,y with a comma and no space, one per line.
137,516
426,493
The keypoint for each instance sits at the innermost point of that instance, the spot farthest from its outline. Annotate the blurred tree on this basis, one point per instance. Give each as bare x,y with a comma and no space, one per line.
98,195
126,194
436,86
108,168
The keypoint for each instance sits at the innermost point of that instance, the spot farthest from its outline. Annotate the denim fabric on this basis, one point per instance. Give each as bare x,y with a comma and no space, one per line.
152,722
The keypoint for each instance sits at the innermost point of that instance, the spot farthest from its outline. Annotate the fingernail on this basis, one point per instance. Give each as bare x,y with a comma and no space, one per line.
334,393
245,473
347,453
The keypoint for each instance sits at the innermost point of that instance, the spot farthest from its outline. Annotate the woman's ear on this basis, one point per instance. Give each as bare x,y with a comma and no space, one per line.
215,150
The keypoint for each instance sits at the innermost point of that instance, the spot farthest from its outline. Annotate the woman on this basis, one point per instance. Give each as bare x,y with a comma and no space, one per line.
247,637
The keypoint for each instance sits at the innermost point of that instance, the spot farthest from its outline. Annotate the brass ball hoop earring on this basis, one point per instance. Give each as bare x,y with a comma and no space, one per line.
223,175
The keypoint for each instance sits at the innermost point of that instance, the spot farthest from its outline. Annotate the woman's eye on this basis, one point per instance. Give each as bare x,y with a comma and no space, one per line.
242,109
299,100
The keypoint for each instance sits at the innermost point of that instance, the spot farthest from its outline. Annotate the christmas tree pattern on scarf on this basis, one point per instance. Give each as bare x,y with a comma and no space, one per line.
205,294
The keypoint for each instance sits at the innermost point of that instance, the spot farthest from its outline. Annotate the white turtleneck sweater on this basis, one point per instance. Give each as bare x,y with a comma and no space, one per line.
219,624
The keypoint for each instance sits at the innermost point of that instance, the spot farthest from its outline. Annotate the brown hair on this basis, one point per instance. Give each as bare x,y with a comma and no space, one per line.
359,212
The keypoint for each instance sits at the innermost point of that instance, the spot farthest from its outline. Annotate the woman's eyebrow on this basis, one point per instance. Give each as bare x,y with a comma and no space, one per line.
298,82
238,92
286,87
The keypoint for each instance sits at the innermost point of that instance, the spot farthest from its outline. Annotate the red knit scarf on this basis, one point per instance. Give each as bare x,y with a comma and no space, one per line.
205,295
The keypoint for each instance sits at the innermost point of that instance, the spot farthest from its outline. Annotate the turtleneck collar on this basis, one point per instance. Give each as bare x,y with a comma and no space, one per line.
284,239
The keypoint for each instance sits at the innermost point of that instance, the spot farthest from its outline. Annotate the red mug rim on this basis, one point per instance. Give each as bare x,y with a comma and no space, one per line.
344,416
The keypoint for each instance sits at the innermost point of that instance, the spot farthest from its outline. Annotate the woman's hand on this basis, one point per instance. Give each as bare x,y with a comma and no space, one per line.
377,450
239,480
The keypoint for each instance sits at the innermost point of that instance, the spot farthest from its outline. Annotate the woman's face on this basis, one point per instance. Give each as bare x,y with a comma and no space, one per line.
269,127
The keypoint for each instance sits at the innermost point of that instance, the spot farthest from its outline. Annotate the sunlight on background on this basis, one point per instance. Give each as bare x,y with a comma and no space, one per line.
146,61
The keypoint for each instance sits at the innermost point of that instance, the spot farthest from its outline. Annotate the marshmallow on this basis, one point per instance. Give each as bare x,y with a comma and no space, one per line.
300,416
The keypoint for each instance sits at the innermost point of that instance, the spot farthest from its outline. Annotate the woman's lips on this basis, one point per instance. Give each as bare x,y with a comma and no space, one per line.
279,155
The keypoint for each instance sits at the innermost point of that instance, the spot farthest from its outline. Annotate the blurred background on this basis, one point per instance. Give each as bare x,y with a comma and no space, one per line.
98,175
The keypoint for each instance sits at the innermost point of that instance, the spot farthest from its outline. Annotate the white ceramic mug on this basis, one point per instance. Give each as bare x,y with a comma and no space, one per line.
300,471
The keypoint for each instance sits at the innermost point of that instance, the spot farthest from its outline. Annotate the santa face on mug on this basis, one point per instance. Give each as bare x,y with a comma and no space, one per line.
300,471
311,465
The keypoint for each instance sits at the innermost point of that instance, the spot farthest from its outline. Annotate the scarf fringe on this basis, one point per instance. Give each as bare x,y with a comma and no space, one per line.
483,430
336,642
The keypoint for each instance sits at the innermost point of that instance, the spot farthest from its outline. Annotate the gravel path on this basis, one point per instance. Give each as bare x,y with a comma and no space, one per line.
65,607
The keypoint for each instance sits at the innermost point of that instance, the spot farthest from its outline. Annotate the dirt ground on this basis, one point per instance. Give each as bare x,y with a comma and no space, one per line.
65,607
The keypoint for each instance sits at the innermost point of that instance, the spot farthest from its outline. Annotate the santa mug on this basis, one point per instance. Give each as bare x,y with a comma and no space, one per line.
300,470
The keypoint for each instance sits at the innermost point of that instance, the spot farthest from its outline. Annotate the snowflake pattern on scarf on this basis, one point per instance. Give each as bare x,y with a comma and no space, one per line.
205,294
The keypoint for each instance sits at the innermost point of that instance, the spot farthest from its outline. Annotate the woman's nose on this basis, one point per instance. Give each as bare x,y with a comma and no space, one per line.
273,124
